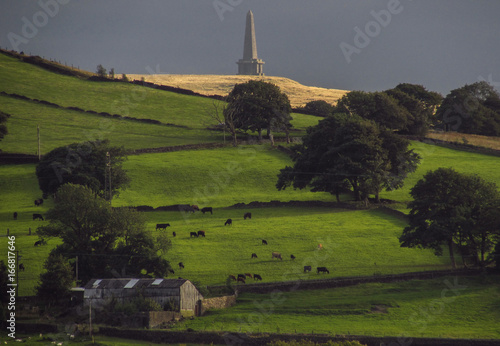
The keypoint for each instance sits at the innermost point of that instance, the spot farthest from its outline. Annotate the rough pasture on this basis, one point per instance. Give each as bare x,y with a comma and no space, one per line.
355,243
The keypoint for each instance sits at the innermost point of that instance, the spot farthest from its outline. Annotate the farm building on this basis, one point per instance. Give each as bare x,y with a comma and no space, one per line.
180,293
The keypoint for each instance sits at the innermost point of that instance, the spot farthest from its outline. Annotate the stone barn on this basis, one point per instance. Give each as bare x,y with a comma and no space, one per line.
180,293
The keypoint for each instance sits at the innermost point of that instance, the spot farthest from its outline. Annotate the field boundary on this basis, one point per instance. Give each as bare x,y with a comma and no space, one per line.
345,281
456,146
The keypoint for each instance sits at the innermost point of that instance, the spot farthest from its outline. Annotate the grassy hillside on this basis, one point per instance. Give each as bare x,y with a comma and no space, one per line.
221,85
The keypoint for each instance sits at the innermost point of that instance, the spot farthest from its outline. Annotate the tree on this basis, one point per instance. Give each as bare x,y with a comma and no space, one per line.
108,241
56,281
224,118
112,73
124,77
3,127
101,71
376,106
345,152
420,104
319,107
456,210
473,108
84,164
259,105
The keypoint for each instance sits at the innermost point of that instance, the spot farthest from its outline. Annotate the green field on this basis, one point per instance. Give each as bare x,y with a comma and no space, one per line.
414,308
356,242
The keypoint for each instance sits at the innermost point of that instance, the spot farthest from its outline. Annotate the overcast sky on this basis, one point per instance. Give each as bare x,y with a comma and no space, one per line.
346,44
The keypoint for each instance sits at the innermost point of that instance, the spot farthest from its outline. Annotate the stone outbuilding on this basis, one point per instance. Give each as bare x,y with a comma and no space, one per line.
179,293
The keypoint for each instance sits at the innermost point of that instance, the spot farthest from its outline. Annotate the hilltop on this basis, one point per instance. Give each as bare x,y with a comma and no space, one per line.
221,85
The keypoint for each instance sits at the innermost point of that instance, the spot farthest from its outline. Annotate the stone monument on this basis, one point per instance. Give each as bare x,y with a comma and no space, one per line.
250,64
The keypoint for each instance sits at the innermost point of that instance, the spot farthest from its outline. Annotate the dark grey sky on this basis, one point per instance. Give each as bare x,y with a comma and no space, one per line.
441,44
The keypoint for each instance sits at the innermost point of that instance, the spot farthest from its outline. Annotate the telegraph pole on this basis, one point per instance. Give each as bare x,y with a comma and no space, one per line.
107,179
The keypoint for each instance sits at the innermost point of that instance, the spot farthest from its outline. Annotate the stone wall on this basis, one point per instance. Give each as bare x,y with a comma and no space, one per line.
157,318
218,303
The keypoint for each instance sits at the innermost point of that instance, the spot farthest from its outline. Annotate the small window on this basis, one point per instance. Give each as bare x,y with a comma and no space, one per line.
131,283
157,282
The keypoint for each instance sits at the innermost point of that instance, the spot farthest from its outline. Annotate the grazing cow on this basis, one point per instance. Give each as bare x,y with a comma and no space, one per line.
38,202
201,233
37,216
181,265
322,270
241,280
257,277
264,242
21,267
254,255
232,277
40,242
248,275
193,234
292,257
195,207
241,276
320,246
247,216
307,269
162,226
276,255
15,215
228,222
206,210
173,234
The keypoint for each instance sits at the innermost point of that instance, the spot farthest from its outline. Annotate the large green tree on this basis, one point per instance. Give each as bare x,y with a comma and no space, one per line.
319,108
108,241
376,106
346,152
420,104
473,108
56,281
85,164
453,210
259,105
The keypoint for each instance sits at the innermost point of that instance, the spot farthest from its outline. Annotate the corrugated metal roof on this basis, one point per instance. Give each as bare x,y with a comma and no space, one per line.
138,283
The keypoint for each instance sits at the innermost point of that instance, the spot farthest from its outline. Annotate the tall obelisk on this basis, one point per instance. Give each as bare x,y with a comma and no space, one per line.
250,64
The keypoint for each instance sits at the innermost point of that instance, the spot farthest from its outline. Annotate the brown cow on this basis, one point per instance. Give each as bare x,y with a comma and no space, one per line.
241,280
247,216
320,246
276,255
248,275
201,233
232,277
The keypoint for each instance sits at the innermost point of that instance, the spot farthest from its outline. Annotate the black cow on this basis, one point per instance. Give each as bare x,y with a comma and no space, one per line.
292,257
247,216
241,280
257,277
37,216
15,215
228,222
181,265
38,202
193,234
264,242
201,233
307,269
173,234
21,267
40,242
206,210
322,270
162,226
241,276
254,255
